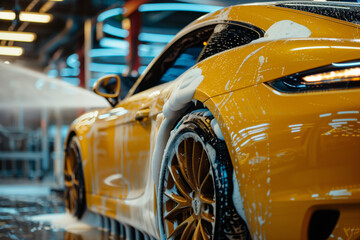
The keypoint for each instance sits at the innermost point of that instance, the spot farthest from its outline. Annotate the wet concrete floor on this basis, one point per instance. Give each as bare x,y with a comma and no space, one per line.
35,212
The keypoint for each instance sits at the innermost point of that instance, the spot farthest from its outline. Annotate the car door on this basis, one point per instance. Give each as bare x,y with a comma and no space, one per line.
122,143
121,146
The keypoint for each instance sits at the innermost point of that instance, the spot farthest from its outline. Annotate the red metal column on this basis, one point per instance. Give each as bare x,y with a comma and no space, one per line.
130,9
133,59
81,75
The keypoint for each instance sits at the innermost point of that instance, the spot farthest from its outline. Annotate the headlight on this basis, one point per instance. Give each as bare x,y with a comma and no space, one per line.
335,76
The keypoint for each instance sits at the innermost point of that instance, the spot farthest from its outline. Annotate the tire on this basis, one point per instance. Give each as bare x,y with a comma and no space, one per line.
195,190
74,180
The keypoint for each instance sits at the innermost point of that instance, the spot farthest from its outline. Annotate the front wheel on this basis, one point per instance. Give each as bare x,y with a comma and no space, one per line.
74,180
195,190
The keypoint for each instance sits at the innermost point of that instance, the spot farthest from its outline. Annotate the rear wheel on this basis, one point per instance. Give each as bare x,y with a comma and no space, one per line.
74,180
195,191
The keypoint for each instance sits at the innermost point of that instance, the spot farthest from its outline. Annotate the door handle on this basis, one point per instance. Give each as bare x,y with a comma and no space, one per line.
142,114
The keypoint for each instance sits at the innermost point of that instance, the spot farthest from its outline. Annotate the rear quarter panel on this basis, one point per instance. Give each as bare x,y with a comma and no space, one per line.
290,158
261,62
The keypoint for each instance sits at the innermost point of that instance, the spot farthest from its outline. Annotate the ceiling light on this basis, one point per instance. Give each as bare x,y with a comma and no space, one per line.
155,37
109,13
7,15
115,31
26,16
108,68
126,23
17,36
11,51
35,17
113,43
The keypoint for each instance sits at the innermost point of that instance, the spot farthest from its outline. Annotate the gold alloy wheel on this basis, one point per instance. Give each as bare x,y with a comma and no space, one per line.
189,193
71,178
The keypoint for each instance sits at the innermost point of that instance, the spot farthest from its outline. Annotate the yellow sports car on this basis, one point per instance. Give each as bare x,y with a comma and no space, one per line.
246,126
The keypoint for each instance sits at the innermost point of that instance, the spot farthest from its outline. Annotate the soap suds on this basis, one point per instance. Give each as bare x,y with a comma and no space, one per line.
173,108
215,127
224,13
62,221
261,60
284,29
220,28
237,200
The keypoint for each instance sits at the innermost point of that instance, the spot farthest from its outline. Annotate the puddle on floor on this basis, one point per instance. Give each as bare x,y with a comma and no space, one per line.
42,216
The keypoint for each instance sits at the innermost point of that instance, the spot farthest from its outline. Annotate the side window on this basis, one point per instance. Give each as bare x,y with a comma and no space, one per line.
182,55
227,36
186,60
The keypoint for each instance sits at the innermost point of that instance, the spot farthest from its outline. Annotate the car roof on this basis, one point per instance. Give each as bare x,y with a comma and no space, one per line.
265,14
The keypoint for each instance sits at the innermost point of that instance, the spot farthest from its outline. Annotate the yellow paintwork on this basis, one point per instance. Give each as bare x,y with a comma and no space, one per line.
104,81
299,158
275,64
288,158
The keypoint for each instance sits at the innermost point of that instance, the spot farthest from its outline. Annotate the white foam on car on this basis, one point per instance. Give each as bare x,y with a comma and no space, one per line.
224,14
215,127
173,108
220,28
237,200
284,29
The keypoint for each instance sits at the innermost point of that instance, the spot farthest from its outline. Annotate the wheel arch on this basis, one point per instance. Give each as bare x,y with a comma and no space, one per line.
212,106
69,137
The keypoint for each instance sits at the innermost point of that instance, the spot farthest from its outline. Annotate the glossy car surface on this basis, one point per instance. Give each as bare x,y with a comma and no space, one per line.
293,144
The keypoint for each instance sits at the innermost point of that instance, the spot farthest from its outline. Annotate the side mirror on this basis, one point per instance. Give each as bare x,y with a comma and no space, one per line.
108,87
